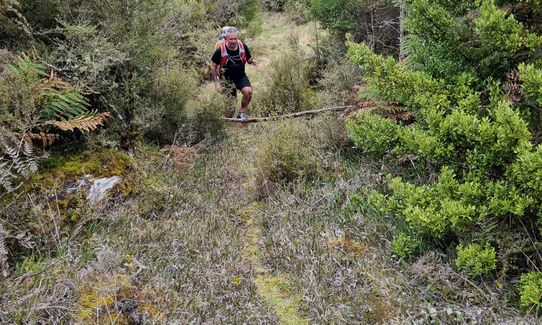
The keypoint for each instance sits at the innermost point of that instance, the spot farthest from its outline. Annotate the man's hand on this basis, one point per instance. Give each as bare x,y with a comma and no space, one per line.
254,63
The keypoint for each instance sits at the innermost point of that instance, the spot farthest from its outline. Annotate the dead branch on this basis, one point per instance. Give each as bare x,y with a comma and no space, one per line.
291,115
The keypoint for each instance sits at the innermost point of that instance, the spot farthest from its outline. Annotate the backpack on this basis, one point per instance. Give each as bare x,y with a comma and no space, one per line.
224,56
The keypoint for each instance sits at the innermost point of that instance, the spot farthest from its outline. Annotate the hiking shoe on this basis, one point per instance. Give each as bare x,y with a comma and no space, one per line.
242,116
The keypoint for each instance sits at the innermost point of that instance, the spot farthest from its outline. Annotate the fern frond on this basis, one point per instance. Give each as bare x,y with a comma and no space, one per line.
64,105
85,123
30,158
25,67
45,139
28,150
12,152
6,176
19,160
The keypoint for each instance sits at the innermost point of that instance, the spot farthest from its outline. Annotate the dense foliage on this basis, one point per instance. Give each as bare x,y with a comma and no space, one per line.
374,22
138,61
472,82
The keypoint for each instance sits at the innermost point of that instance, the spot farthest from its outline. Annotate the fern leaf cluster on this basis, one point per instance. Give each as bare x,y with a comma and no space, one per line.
18,159
44,139
84,123
53,102
26,67
67,104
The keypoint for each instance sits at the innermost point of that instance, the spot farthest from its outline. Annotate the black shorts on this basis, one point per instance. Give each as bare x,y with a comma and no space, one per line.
235,84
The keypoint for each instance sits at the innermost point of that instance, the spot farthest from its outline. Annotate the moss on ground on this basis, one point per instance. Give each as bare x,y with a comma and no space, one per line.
277,292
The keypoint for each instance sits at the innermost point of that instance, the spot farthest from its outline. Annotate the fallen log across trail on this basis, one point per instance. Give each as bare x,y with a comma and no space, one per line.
290,115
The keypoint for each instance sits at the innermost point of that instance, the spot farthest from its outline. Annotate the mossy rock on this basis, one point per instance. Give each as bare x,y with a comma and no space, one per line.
49,205
62,170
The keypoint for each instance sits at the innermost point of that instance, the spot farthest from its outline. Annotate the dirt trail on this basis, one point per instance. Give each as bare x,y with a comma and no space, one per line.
273,288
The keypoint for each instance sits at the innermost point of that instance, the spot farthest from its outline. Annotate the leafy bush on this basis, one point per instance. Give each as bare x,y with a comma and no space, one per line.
286,155
532,83
40,14
340,15
530,290
440,35
373,134
250,17
205,117
475,167
287,87
405,245
172,88
338,82
374,22
475,259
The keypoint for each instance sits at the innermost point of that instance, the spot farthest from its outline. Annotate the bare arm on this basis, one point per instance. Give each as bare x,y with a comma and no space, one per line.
215,72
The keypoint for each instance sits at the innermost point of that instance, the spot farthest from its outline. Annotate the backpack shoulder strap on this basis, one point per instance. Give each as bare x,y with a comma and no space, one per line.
223,54
242,52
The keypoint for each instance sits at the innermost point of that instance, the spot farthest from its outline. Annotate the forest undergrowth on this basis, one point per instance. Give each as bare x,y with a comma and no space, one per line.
258,227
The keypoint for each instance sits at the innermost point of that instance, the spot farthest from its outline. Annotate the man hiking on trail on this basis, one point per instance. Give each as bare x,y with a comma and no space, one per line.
230,59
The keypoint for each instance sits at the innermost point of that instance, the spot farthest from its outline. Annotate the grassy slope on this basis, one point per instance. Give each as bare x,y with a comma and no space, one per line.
202,248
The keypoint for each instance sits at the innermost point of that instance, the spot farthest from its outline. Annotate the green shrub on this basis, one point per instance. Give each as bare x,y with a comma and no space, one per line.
287,87
532,82
40,14
19,102
340,15
205,117
530,290
172,88
250,17
475,259
286,155
338,82
372,133
89,55
405,245
526,172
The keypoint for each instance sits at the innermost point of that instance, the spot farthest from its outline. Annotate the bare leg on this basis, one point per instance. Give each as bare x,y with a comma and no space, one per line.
247,96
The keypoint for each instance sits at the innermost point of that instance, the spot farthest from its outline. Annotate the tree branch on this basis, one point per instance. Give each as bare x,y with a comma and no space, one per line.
291,115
